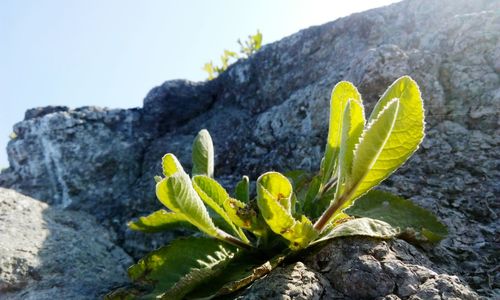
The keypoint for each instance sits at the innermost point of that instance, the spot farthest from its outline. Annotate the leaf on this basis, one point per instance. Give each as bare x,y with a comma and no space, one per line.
214,195
239,213
278,187
158,221
352,127
310,196
274,191
177,194
178,268
414,222
203,154
367,153
371,167
242,190
342,92
361,227
171,165
239,273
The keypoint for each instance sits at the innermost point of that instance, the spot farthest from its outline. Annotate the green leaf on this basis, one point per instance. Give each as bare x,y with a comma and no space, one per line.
214,195
277,187
170,165
242,190
414,222
160,220
380,152
310,196
361,227
341,94
180,267
177,194
274,193
352,127
239,213
203,154
239,273
366,155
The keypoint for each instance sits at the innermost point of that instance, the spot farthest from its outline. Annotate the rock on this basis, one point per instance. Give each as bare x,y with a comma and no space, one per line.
295,281
48,253
269,112
361,268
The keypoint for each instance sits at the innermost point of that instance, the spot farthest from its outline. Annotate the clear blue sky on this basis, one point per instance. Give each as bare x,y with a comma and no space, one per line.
112,52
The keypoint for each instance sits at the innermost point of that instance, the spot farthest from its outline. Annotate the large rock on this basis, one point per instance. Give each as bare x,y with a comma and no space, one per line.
48,253
360,268
270,112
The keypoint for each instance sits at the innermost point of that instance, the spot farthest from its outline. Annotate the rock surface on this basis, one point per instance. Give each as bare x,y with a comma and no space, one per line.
48,253
269,112
361,268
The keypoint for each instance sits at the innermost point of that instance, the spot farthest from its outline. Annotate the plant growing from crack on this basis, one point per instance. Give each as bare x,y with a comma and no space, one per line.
245,237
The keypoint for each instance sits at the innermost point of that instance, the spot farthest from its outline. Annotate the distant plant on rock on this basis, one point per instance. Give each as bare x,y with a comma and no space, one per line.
245,235
247,48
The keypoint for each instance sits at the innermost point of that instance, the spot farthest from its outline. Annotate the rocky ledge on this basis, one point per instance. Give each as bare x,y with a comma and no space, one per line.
269,111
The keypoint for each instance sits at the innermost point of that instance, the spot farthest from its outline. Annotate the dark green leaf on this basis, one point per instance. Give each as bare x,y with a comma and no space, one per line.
177,269
414,222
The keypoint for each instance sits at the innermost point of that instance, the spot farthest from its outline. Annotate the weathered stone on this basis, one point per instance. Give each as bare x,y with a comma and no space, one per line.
48,253
362,268
296,281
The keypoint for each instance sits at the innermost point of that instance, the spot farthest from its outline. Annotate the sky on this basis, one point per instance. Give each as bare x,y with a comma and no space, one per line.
111,53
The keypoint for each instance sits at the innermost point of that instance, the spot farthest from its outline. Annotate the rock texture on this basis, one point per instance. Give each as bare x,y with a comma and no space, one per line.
361,268
48,253
270,112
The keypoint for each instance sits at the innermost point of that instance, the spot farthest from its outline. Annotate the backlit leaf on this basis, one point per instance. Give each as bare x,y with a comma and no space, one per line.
177,194
203,154
170,165
341,93
160,220
371,166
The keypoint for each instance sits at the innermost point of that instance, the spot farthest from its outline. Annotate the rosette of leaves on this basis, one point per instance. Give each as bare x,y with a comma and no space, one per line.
243,237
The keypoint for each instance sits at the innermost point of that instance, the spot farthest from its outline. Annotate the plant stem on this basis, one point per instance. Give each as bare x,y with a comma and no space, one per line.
233,240
326,216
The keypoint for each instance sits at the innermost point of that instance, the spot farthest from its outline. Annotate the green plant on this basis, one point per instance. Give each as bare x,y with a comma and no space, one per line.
245,237
247,48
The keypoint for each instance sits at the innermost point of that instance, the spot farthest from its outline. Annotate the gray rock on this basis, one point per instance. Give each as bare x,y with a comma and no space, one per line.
269,112
48,253
361,268
295,281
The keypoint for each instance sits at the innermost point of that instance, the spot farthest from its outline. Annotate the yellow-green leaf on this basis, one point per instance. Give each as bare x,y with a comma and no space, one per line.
380,152
214,195
274,192
177,194
171,165
341,93
353,123
160,220
367,156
